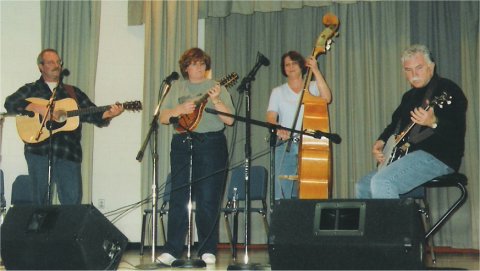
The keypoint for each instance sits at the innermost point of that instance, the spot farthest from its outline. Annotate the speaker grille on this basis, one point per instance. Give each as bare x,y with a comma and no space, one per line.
75,237
346,234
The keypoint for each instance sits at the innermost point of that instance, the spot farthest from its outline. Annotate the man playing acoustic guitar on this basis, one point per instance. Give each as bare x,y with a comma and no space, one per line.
427,132
66,149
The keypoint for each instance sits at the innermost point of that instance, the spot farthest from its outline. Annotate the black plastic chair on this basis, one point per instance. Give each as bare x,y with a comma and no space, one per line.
457,180
163,210
3,203
236,199
22,193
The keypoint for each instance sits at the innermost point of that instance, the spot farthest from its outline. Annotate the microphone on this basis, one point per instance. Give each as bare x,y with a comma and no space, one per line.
335,138
166,89
263,60
172,77
65,72
210,110
173,120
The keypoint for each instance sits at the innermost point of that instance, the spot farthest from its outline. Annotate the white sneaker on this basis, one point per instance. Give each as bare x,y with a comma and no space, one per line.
166,258
209,258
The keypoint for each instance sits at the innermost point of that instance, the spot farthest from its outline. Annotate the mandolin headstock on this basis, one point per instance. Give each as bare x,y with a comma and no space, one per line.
229,80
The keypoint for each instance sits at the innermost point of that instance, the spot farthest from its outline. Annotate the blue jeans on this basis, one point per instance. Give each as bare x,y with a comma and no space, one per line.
401,176
209,177
66,176
286,163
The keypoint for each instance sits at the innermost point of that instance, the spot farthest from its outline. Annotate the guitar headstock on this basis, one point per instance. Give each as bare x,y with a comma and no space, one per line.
229,80
441,100
325,38
132,106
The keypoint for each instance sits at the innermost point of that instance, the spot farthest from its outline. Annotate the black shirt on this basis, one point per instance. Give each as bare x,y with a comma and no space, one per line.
447,143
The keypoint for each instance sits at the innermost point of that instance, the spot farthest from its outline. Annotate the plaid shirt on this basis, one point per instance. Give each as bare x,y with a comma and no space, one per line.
65,144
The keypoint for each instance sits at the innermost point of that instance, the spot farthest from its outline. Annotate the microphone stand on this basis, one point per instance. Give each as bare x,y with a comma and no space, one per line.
153,131
273,144
247,80
189,262
335,138
246,83
3,204
49,117
50,108
245,86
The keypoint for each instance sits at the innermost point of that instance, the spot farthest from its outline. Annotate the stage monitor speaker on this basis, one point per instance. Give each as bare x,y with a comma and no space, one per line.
346,234
60,237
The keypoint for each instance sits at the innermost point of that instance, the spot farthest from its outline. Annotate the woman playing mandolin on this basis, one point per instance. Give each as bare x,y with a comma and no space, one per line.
209,155
281,110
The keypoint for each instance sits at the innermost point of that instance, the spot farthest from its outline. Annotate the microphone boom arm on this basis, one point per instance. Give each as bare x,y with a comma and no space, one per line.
249,78
335,138
156,114
251,75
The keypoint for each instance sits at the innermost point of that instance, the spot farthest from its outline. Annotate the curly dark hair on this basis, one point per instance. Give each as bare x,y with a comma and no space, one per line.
294,56
190,56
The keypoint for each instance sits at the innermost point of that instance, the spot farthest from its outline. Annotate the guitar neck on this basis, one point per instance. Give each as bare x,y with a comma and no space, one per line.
409,127
89,110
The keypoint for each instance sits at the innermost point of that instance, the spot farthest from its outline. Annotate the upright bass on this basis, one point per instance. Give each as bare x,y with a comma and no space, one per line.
314,156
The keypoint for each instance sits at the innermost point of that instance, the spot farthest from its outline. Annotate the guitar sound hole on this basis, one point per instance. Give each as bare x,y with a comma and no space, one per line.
53,125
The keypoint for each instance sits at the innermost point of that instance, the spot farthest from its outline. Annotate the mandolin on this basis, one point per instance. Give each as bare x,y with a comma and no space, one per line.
191,121
67,115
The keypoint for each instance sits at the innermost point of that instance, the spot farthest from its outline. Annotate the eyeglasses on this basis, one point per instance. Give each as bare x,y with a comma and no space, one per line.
51,63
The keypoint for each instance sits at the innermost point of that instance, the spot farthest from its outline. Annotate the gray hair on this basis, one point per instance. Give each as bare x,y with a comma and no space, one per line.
417,49
40,56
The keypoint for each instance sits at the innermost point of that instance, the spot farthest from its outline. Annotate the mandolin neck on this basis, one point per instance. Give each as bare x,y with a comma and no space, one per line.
202,99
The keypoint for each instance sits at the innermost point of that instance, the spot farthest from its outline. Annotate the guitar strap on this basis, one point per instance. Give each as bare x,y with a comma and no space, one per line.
70,91
416,135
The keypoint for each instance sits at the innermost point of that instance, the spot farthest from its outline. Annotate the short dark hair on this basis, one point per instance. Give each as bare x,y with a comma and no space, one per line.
190,56
294,56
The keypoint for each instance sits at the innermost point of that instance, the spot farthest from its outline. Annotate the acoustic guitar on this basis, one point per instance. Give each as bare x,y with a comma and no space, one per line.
397,145
191,121
67,115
